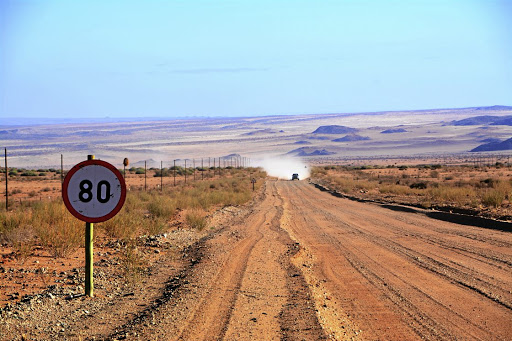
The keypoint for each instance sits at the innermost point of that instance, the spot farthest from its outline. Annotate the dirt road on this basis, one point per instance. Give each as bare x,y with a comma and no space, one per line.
304,265
301,264
401,276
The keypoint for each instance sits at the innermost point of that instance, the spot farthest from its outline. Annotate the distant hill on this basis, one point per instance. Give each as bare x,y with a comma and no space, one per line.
491,140
302,142
487,119
494,146
351,137
260,132
394,131
334,129
495,108
310,151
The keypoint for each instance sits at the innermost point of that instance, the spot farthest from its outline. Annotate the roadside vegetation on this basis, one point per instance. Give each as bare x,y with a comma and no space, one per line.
49,225
487,190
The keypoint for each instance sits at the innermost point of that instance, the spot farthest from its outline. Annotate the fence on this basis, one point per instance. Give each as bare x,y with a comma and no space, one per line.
45,184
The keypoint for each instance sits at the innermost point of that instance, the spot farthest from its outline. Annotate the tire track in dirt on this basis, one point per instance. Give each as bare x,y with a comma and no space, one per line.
491,281
449,266
487,275
404,273
243,287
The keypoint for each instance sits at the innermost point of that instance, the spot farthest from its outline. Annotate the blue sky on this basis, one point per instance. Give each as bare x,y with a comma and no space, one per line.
149,58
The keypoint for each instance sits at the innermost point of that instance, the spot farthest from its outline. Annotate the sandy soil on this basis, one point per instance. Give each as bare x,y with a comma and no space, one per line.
300,264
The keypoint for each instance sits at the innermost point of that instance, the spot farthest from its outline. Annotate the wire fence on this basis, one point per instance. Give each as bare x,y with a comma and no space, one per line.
26,185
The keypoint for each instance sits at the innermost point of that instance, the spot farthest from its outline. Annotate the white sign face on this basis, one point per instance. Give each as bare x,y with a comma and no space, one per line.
94,191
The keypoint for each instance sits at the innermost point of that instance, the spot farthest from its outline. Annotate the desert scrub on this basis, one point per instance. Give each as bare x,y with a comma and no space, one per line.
493,197
396,189
133,262
10,221
49,224
16,231
457,195
124,225
56,228
162,206
196,219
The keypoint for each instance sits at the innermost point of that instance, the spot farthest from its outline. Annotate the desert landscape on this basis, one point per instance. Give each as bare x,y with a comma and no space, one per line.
423,134
399,228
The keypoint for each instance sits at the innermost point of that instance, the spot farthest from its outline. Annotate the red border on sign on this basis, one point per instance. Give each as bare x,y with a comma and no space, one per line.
70,174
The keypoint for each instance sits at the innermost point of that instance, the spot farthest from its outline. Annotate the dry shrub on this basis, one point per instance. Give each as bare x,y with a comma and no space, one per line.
123,226
493,197
9,221
458,195
22,240
196,219
133,263
154,226
162,206
395,189
57,229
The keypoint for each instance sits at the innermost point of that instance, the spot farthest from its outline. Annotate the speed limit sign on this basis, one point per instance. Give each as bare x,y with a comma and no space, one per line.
94,191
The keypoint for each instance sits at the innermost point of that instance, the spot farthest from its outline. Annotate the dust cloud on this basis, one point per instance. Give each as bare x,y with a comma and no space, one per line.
284,167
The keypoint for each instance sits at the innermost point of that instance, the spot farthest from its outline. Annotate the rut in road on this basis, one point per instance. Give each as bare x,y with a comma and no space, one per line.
243,288
402,275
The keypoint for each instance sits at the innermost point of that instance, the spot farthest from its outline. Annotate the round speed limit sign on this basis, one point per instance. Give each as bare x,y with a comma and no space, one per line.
94,191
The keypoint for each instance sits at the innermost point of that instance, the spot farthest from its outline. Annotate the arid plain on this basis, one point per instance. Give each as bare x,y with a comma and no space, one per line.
427,133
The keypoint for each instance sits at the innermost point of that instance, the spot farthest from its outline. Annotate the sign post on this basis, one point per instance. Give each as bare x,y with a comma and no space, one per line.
93,191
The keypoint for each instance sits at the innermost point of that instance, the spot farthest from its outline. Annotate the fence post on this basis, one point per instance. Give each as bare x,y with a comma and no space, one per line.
61,169
145,176
161,176
202,170
174,172
185,171
6,182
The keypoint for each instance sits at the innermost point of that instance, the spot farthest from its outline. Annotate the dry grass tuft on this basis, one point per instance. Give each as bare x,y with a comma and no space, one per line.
196,219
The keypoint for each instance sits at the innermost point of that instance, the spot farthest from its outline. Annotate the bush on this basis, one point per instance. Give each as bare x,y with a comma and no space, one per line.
493,197
29,173
162,207
196,219
419,185
57,229
458,195
133,263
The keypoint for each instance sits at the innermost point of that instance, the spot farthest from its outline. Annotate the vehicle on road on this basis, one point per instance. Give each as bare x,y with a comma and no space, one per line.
295,176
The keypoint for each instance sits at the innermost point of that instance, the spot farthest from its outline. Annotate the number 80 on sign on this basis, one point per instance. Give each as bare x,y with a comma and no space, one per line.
94,191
